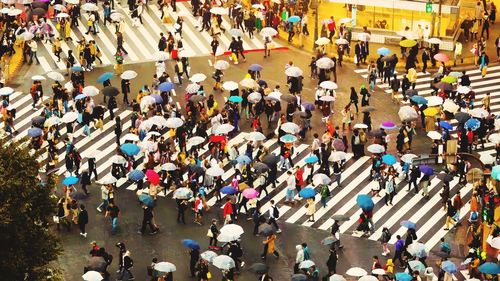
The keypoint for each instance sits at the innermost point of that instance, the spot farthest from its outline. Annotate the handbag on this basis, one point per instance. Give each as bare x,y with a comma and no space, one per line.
210,233
56,219
209,275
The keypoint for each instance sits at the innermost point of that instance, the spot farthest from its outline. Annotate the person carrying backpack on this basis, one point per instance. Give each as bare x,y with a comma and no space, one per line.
274,214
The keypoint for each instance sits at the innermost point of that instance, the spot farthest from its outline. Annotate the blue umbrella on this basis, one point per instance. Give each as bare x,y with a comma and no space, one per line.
104,77
409,224
294,19
147,200
403,276
489,268
191,244
311,159
80,97
389,159
495,172
243,159
307,193
136,175
70,180
77,68
449,267
365,202
228,190
158,98
308,106
131,149
383,51
419,100
445,125
236,99
426,170
472,124
255,67
288,138
35,132
166,87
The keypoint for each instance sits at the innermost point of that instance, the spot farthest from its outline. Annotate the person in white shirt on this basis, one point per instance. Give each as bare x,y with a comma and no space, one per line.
290,187
315,147
298,258
274,214
33,48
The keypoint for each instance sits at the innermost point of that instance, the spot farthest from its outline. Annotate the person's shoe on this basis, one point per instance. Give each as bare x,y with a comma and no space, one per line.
278,231
242,264
85,235
99,210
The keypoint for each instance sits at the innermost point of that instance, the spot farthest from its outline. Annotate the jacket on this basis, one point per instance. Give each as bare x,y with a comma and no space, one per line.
300,254
399,245
83,217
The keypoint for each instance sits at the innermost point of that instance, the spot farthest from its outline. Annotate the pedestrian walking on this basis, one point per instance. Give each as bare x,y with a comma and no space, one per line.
113,212
83,220
269,246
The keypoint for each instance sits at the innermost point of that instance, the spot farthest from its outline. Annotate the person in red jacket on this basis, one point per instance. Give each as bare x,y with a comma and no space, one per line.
228,210
331,28
458,204
299,178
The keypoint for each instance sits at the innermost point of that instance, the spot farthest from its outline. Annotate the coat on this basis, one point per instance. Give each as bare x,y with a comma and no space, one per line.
270,241
311,208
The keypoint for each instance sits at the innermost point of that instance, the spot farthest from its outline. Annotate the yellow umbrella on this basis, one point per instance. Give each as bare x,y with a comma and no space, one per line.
407,43
431,111
449,79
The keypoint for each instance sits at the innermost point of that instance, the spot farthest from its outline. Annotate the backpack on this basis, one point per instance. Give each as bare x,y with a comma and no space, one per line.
276,212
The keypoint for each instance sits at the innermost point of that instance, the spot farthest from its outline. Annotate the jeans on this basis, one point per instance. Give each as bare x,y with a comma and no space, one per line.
290,193
104,204
86,130
323,201
114,224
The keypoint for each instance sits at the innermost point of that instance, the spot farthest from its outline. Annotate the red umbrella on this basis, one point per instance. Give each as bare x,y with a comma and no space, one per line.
216,138
441,57
153,177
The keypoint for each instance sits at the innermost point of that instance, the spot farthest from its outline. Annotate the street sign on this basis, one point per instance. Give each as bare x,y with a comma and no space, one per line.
428,7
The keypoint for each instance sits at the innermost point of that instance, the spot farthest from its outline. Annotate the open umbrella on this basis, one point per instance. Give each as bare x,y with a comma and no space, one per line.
449,267
403,276
56,76
183,193
235,99
320,179
299,277
130,149
472,124
494,138
228,190
325,63
445,125
196,140
441,57
434,135
479,113
104,77
288,138
417,249
110,91
378,271
243,159
266,229
383,51
224,129
368,278
168,167
294,19
259,268
416,265
128,74
255,67
271,159
407,43
221,65
489,268
92,276
444,86
254,97
487,159
329,85
250,193
329,240
35,132
311,159
165,267
408,224
218,11
89,7
260,167
306,264
356,272
290,128
474,175
174,122
248,83
288,98
230,85
337,156
215,171
268,32
208,255
463,89
193,88
360,126
153,177
307,193
322,41
293,71
434,101
426,170
407,113
388,125
462,117
431,112
97,264
449,79
70,180
146,199
166,87
38,120
232,229
389,159
118,159
136,175
6,91
255,136
191,244
495,172
375,148
365,202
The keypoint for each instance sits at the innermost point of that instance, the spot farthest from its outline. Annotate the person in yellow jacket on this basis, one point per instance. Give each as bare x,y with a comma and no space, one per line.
389,267
269,247
67,31
56,48
412,76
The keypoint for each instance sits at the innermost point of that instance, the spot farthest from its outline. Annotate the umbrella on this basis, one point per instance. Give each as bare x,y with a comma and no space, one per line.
308,106
290,128
320,178
191,244
228,190
198,77
271,159
288,98
434,41
56,76
6,91
445,125
259,268
97,264
115,16
38,12
325,63
92,276
158,98
368,109
472,124
266,229
146,200
383,51
166,87
260,167
463,89
444,86
407,43
130,149
174,122
375,148
183,193
221,65
128,74
215,171
411,92
449,267
136,175
208,255
235,99
495,172
388,125
218,11
306,264
294,19
403,276
340,217
70,180
218,138
341,41
368,278
489,268
456,74
104,77
196,140
243,159
232,229
378,271
108,179
153,177
89,7
441,57
38,120
293,71
322,41
389,58
168,167
407,113
365,202
426,170
288,138
449,79
250,193
224,129
494,138
268,32
160,56
416,265
434,101
450,106
35,132
408,224
337,156
408,158
311,159
462,117
299,277
479,113
307,193
389,159
235,32
90,91
254,97
110,91
80,97
356,272
360,126
38,78
230,85
70,117
329,240
118,159
431,112
165,267
329,85
474,175
193,88
274,95
255,136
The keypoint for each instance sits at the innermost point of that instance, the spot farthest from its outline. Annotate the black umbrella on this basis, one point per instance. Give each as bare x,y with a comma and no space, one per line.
462,117
445,177
266,229
38,12
97,264
37,4
376,133
444,86
289,98
197,98
329,240
299,277
260,167
411,92
110,91
340,217
388,58
38,120
271,159
259,268
448,115
195,169
368,109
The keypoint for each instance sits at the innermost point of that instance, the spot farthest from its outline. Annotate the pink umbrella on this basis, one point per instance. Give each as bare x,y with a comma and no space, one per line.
388,125
441,57
250,193
153,177
339,145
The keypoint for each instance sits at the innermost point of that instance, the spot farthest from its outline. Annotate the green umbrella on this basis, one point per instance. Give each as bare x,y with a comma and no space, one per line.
449,79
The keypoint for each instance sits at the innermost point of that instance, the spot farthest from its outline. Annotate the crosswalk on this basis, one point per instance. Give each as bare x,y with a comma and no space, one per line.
481,86
141,41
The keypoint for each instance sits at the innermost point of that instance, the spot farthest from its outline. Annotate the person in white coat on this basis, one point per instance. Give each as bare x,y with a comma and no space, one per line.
160,68
298,258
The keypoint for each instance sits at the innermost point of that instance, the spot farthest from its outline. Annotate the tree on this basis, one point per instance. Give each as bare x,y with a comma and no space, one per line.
27,246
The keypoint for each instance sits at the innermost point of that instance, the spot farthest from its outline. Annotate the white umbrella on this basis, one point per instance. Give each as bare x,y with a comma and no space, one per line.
221,65
235,32
116,16
290,128
434,101
147,100
274,95
345,20
433,135
54,120
198,77
37,78
128,74
368,278
93,153
378,271
56,76
118,159
224,129
268,32
59,7
74,2
248,83
158,121
254,97
165,267
306,264
131,137
408,158
14,12
70,117
434,41
6,91
450,106
294,71
232,229
5,10
375,148
196,140
218,11
258,6
69,86
90,91
208,255
183,193
479,113
494,138
329,85
487,159
62,15
215,171
364,37
192,88
9,2
341,41
255,136
321,179
27,35
356,272
360,126
223,262
325,63
174,122
337,277
407,113
408,34
463,89
160,56
327,98
337,156
89,7
322,41
92,276
108,179
168,167
230,85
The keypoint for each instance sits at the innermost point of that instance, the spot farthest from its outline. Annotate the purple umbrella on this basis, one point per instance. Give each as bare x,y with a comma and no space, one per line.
339,145
388,125
158,98
426,170
308,106
255,67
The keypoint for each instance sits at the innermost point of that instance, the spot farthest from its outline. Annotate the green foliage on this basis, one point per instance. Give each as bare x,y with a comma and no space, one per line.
27,246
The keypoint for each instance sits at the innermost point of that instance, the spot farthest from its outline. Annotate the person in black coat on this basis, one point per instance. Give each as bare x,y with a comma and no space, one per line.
425,59
465,80
111,105
118,129
354,98
92,167
84,181
194,256
357,52
332,261
83,219
125,90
